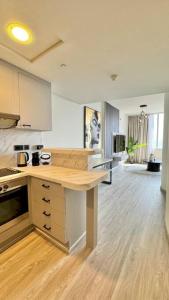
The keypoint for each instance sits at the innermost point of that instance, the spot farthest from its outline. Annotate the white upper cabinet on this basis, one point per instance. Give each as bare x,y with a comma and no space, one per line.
35,103
26,95
9,93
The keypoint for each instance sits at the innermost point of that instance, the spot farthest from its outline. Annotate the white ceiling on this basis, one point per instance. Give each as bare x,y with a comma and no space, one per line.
130,38
36,48
131,106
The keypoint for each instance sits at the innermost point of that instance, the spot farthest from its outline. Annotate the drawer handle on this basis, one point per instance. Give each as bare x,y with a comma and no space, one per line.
46,214
46,186
47,228
26,125
46,200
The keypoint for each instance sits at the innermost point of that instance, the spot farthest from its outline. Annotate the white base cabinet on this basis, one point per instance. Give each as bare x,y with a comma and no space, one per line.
57,211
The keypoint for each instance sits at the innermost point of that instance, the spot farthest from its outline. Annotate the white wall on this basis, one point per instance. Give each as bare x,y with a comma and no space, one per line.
165,142
165,171
95,105
123,124
67,132
67,124
11,137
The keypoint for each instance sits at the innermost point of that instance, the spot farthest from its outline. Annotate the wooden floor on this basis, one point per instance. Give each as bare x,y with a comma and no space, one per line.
131,261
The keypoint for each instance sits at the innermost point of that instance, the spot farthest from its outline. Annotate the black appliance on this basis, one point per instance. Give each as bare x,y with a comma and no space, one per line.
8,171
119,143
13,200
35,159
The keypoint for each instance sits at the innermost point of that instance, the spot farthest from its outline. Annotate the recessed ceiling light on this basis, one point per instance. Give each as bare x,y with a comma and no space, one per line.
63,65
114,77
19,33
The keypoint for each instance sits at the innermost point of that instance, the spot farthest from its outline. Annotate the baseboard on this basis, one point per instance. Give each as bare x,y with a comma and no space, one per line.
31,228
61,246
76,244
14,239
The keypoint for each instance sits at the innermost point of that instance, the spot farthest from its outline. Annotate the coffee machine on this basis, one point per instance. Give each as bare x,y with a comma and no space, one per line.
40,157
35,159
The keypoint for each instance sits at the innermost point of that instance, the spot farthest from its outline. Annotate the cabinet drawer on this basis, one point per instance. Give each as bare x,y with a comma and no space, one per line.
40,206
53,225
43,223
47,192
41,214
45,212
58,218
43,185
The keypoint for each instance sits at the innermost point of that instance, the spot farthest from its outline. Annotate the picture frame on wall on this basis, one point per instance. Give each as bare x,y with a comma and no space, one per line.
92,128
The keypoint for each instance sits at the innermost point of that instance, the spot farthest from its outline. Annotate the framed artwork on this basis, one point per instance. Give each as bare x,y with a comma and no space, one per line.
92,128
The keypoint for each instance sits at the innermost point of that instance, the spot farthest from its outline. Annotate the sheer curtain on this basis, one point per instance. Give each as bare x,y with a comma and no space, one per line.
152,133
140,134
155,134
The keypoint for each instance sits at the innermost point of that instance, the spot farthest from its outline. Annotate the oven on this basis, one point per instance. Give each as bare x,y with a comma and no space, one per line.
13,201
15,222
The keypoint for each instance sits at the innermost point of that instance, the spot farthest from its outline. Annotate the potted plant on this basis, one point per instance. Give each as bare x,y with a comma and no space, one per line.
131,148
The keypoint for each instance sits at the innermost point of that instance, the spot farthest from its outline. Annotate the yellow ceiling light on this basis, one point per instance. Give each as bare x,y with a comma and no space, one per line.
19,33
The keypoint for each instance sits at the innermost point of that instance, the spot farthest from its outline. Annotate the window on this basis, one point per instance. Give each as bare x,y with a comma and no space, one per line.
155,131
160,131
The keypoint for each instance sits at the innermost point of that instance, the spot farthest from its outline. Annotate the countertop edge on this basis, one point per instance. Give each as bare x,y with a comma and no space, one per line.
75,151
71,186
66,184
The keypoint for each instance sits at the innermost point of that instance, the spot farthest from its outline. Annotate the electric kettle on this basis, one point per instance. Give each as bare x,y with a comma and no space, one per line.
22,159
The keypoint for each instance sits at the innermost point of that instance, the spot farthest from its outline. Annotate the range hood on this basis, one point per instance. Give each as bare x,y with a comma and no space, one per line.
8,120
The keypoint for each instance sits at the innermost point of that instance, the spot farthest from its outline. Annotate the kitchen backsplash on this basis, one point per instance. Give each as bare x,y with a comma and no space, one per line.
11,137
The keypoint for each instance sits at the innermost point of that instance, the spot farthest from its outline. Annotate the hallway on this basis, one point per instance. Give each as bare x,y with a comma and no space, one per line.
131,261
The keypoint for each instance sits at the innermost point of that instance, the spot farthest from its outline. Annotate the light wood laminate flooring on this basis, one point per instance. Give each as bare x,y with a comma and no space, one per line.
130,262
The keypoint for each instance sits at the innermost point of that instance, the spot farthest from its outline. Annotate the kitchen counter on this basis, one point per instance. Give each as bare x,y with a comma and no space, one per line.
73,181
69,178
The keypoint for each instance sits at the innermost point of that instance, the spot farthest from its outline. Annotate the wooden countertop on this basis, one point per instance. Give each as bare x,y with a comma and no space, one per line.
70,178
73,151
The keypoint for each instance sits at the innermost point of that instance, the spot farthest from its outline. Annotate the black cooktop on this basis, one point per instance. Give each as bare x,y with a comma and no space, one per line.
7,172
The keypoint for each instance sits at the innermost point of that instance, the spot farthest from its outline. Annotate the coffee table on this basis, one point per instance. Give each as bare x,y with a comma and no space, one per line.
153,166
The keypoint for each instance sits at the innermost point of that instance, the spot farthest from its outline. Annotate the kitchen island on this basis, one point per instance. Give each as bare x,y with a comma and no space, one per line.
68,189
62,200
